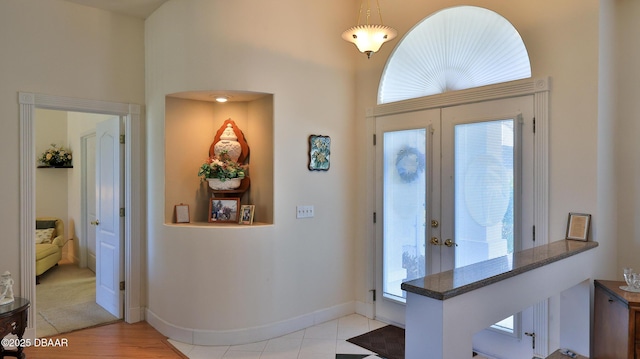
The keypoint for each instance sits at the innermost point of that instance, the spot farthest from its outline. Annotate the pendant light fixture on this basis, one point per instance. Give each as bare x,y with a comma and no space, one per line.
369,37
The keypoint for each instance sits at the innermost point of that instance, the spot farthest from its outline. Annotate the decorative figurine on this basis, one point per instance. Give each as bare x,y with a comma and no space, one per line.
6,288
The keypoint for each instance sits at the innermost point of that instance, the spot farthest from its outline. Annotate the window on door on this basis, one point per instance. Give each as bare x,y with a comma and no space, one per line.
485,164
484,190
405,207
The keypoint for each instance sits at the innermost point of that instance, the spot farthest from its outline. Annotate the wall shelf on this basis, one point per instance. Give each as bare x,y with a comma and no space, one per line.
238,192
70,166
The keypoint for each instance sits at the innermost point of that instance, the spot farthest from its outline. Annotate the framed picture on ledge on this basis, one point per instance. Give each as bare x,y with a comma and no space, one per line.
246,214
224,209
182,213
578,226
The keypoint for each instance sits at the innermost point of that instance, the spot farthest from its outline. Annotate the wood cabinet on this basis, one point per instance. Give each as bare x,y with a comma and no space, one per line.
616,323
13,320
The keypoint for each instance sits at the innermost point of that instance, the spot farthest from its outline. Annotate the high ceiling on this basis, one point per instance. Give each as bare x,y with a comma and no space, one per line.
137,8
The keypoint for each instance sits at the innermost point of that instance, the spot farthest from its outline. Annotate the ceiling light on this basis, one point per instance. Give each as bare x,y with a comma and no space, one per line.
368,38
222,98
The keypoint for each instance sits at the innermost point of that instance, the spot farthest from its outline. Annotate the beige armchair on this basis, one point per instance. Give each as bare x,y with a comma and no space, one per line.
48,250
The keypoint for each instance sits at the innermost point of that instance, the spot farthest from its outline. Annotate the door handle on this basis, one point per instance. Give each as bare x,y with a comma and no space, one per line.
450,243
95,223
435,241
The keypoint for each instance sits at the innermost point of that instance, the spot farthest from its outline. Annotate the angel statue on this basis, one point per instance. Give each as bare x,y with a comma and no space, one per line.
6,288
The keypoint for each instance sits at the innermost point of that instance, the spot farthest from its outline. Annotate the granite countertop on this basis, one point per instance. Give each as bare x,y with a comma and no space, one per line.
451,283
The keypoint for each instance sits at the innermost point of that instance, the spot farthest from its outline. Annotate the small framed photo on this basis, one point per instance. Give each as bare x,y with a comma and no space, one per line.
224,209
182,213
246,214
319,153
578,226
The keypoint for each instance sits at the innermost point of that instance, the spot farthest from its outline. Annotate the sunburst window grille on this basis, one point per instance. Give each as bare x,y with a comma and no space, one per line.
454,49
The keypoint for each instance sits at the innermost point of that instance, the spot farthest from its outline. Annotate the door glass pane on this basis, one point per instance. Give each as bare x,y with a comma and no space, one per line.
484,194
404,211
484,190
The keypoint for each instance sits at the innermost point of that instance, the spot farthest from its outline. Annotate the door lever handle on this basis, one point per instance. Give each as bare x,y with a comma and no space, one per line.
450,243
95,223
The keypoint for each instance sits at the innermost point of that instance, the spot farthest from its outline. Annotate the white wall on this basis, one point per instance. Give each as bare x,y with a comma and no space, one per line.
294,271
627,132
51,183
59,48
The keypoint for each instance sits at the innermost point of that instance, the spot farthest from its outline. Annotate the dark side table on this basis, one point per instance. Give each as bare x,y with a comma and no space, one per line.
13,320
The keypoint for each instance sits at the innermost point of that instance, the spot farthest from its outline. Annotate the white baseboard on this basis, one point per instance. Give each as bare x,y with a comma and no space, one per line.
247,335
134,315
365,309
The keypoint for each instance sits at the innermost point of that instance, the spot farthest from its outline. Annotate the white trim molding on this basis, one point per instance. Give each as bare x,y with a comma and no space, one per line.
541,205
455,98
133,193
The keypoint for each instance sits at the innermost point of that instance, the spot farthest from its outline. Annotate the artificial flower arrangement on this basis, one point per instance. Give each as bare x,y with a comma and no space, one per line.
56,156
222,167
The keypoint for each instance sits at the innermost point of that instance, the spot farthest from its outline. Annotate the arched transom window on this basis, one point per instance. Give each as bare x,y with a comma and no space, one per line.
454,49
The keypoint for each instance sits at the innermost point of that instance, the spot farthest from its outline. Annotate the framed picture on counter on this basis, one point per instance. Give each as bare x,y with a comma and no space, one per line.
578,226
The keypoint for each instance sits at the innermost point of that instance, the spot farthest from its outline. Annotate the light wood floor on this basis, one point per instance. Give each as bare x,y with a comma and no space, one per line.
118,340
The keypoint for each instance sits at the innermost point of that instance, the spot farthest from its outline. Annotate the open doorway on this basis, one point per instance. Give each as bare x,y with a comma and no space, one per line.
66,294
130,114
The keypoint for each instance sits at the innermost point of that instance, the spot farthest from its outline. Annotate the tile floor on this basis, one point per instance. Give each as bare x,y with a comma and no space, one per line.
323,341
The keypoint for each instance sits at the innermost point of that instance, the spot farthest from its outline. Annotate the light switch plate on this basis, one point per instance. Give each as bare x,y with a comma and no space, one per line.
304,211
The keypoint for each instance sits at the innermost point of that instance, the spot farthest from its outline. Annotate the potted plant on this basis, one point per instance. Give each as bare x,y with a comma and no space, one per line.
222,172
56,156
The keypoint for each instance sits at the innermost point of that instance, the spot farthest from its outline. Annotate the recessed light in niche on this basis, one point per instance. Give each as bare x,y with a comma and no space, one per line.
222,98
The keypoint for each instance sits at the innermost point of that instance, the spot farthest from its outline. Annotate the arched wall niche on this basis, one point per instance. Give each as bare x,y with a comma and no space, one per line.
454,49
191,122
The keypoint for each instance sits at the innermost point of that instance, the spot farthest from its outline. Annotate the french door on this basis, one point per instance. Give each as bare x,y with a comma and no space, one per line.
409,189
455,187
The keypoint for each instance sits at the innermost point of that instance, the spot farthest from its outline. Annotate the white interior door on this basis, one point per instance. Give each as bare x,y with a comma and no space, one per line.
408,201
109,224
89,198
487,200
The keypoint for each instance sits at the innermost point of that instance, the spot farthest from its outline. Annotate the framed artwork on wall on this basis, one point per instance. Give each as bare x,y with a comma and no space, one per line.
319,152
578,226
223,209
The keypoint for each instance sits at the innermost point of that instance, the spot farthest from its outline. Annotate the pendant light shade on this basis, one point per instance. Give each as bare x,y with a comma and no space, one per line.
368,38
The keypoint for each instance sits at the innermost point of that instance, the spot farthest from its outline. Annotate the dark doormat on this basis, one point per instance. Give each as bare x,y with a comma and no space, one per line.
387,342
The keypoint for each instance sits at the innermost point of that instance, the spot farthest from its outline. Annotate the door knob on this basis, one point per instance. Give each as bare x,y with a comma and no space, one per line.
435,241
95,223
450,243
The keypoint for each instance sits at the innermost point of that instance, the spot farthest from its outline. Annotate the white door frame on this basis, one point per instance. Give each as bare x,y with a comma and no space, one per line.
540,89
133,311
